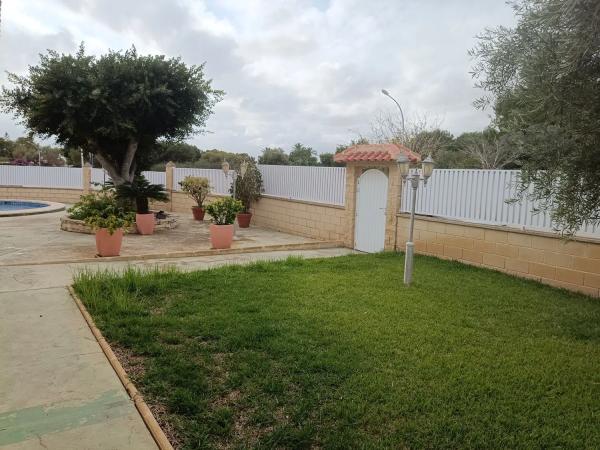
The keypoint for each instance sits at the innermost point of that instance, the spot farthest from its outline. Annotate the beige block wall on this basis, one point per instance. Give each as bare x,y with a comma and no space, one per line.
302,218
48,194
180,203
573,264
297,217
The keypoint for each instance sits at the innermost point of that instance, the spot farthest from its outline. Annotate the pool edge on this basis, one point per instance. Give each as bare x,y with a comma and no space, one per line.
52,207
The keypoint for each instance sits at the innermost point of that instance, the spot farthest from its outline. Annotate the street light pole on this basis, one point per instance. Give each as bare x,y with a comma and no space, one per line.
387,94
415,178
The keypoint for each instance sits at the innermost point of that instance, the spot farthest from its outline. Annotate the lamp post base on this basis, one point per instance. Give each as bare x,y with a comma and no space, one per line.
408,263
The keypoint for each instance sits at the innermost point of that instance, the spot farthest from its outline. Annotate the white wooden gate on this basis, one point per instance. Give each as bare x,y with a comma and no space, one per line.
371,201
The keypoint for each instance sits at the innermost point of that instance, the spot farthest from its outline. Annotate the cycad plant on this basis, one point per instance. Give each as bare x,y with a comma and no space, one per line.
140,191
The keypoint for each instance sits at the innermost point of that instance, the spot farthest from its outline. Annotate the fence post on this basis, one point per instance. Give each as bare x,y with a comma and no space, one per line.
352,174
86,177
393,207
169,169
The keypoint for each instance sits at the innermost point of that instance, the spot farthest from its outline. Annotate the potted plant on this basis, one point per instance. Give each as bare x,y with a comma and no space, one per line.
140,191
108,218
248,188
223,213
197,188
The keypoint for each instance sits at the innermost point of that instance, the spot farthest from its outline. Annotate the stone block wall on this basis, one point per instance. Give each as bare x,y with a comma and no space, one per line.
313,220
573,264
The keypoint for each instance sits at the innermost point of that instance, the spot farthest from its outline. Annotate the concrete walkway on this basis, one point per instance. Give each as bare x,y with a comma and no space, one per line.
57,389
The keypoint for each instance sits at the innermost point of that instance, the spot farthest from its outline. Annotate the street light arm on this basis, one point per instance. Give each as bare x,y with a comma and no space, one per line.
387,94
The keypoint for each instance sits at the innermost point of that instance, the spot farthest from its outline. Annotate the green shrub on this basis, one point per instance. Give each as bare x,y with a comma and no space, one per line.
223,211
139,191
197,188
249,186
89,204
102,209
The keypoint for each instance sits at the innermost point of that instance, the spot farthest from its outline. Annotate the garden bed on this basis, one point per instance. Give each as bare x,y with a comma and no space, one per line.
338,353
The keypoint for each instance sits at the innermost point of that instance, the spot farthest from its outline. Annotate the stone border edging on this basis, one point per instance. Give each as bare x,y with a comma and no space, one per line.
318,245
149,420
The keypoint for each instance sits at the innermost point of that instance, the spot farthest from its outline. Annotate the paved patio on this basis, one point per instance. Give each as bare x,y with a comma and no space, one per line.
39,239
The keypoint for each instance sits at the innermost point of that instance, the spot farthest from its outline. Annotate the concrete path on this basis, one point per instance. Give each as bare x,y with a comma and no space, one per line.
57,390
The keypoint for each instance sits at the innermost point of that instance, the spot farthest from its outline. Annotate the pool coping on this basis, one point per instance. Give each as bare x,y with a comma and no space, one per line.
52,207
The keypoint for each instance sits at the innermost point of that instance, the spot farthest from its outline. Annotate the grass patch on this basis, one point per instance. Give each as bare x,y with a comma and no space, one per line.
337,353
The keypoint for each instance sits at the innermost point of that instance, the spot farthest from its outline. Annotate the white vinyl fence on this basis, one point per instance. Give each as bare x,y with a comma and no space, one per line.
36,176
155,177
218,182
100,176
313,184
479,196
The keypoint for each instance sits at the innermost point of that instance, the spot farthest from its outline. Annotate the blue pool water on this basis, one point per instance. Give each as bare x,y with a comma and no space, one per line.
11,205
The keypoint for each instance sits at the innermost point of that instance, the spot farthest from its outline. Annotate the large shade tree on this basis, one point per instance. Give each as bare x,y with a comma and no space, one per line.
115,106
542,79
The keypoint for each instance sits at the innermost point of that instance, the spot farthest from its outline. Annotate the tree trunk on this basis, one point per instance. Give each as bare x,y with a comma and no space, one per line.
124,172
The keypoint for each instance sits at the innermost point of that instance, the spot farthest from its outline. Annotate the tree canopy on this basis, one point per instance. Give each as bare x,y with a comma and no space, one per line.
115,106
274,156
542,80
302,155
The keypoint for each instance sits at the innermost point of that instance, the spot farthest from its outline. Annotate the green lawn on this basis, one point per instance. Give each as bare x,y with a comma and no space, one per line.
337,353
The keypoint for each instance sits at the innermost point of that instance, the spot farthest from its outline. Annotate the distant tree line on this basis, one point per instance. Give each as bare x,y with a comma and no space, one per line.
300,155
487,149
24,151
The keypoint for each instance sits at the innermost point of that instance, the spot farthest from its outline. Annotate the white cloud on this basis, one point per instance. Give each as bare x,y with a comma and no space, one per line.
293,71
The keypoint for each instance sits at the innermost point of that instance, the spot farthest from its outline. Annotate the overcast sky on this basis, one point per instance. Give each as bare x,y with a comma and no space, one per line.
293,71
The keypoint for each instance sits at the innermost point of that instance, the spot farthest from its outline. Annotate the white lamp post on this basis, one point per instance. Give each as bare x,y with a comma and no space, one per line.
225,169
426,171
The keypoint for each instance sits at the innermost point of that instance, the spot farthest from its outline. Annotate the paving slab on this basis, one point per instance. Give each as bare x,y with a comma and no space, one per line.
55,380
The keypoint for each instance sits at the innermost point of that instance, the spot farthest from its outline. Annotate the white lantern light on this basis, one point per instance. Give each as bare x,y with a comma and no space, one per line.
403,164
243,168
427,167
225,167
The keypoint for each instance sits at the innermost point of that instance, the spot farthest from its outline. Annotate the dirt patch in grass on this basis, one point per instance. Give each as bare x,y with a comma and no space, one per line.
165,421
134,366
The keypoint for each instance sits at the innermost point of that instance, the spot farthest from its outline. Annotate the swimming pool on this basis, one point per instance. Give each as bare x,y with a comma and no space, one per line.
16,207
12,205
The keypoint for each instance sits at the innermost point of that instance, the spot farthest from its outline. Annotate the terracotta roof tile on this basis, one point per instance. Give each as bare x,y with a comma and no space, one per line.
375,152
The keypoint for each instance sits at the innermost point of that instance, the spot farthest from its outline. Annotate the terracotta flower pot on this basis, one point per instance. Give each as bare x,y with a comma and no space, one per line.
221,236
198,212
244,219
145,223
109,244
